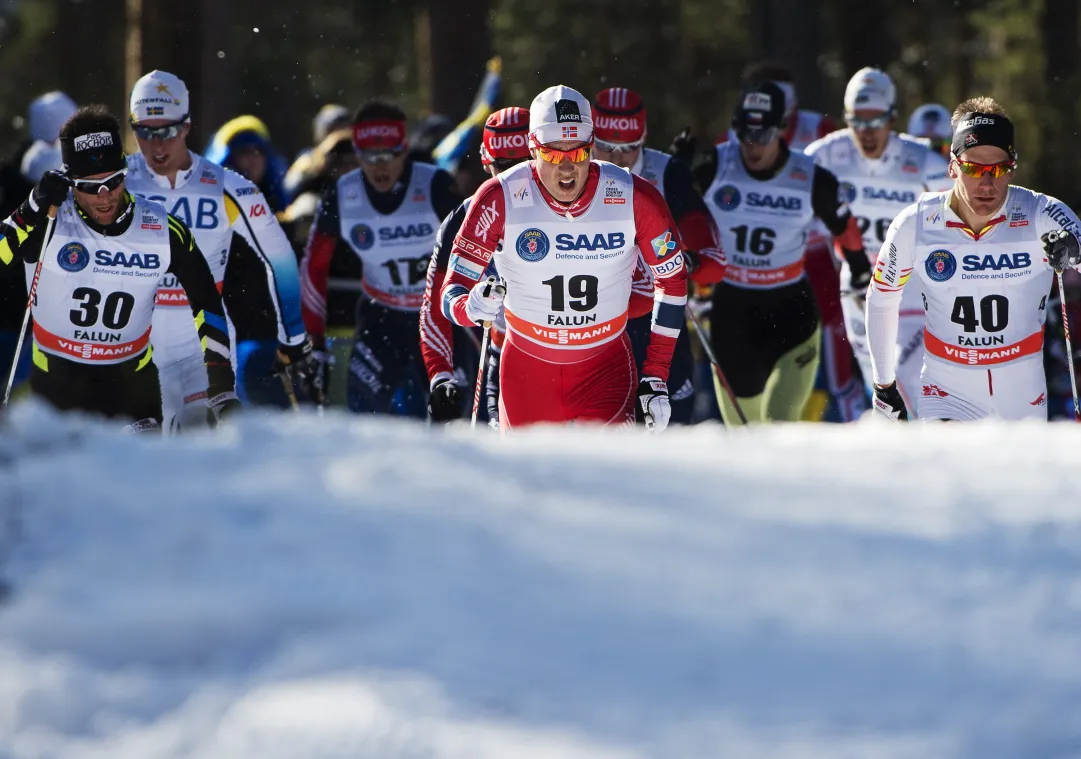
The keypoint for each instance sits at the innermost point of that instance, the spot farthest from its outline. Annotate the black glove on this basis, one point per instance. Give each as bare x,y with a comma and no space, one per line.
220,406
1061,248
690,260
683,146
445,401
420,269
51,190
888,401
860,269
306,364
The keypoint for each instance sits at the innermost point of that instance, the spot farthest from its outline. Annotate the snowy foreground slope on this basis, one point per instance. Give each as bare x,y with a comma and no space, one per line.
308,588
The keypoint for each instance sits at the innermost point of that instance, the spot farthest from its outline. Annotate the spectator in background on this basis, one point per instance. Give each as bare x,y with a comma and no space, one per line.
244,146
39,153
332,118
322,166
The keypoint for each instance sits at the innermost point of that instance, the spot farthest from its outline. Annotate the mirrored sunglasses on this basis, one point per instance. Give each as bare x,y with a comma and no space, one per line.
95,186
875,123
980,170
759,136
167,132
378,156
618,147
556,156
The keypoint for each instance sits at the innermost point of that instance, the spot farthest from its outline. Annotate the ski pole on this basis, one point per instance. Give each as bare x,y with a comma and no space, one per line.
29,303
703,338
1069,347
500,288
287,385
480,373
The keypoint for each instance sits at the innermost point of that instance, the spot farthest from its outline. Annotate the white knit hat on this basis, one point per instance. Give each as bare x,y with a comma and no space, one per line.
560,114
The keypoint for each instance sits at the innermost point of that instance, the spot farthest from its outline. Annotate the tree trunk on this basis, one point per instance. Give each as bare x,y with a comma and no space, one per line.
1059,28
461,46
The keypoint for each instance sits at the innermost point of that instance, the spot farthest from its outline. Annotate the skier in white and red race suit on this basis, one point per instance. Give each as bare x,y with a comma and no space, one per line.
565,233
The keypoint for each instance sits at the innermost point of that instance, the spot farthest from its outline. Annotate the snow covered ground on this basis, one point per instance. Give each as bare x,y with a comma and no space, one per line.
296,587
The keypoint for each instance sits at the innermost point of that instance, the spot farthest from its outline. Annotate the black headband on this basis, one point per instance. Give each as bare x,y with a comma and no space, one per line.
93,153
975,129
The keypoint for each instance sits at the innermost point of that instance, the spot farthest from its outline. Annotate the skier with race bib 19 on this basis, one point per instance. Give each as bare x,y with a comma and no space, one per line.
565,233
984,254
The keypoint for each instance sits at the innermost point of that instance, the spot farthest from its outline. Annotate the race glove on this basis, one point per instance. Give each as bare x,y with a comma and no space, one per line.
652,405
1062,249
51,190
302,362
860,269
485,301
445,401
683,145
220,406
888,402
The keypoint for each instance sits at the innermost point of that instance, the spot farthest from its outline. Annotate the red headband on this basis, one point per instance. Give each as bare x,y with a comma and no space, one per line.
379,135
506,134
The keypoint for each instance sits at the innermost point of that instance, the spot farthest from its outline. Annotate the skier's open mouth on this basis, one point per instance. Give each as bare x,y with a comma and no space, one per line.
567,184
160,159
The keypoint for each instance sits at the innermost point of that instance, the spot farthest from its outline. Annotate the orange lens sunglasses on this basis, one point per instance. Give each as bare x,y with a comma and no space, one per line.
979,170
575,155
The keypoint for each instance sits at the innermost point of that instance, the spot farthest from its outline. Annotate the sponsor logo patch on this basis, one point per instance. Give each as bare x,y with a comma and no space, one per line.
465,267
532,245
362,237
846,193
73,257
93,140
664,244
941,265
727,198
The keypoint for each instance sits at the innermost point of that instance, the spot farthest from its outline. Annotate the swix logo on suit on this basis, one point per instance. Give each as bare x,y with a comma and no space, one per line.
568,282
395,248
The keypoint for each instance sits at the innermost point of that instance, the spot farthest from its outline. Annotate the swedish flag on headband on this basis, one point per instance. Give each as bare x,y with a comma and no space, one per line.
450,151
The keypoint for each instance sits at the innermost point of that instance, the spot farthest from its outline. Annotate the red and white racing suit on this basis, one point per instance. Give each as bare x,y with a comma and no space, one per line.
985,295
568,271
